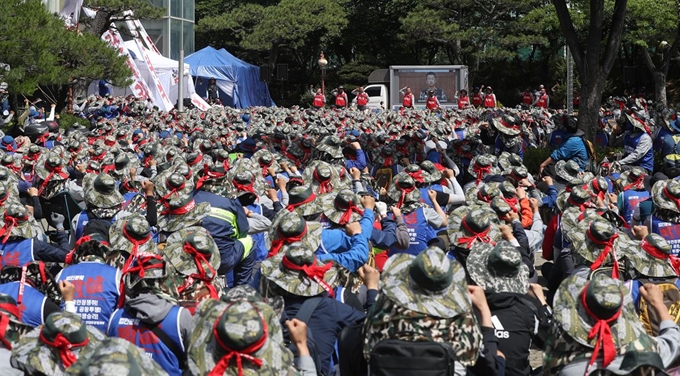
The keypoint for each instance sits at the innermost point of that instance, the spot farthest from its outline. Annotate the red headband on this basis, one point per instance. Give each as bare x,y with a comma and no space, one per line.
608,248
291,207
278,243
476,236
62,344
602,333
347,215
313,271
221,366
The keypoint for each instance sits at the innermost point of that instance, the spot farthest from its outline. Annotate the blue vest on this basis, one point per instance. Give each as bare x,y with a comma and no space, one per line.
82,222
17,252
259,245
424,198
128,197
669,231
659,141
556,138
630,143
124,326
49,144
419,231
32,303
96,291
631,199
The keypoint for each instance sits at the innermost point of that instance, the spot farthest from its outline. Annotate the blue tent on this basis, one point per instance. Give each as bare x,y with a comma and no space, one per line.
238,81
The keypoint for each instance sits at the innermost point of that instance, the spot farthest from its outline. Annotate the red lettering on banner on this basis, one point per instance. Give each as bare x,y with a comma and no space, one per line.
11,258
79,288
94,286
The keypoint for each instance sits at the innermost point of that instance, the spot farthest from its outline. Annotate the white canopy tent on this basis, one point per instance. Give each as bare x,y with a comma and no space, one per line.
166,70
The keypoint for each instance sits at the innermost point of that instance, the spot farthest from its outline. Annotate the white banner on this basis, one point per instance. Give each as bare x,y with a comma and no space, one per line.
197,101
138,86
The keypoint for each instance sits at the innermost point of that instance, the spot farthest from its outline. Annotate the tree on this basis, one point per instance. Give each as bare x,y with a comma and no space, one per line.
41,51
593,55
648,25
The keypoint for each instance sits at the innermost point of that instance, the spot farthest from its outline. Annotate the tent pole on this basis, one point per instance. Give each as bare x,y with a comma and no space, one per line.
180,85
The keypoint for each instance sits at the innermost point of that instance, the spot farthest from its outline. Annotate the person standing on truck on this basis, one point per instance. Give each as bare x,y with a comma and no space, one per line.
362,98
476,97
340,97
409,98
542,100
463,100
319,98
489,97
432,103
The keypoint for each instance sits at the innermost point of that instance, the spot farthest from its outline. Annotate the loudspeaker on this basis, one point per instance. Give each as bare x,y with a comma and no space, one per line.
282,72
265,73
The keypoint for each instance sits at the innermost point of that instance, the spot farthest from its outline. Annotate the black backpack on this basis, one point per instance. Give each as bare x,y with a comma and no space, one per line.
392,357
304,314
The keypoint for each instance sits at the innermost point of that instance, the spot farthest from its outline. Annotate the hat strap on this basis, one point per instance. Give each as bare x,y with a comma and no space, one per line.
635,184
325,186
476,236
57,170
291,207
313,271
4,324
602,333
388,162
417,176
660,255
181,210
347,215
221,366
668,195
10,223
608,248
404,192
64,346
199,259
142,265
481,170
513,202
196,161
245,187
173,191
281,240
600,190
511,126
485,198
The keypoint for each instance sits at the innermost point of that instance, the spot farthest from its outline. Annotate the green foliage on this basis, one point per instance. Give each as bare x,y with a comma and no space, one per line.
113,10
533,158
67,120
41,51
355,73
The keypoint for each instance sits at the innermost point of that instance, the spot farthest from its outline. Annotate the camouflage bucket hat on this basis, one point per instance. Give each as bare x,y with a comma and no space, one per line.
322,177
241,330
102,192
244,181
607,299
403,190
145,271
290,228
12,327
302,200
572,216
171,185
597,237
51,168
273,313
346,208
432,174
632,179
417,173
501,208
471,226
53,347
666,195
482,194
41,278
132,235
429,283
115,356
653,258
507,161
178,251
638,121
578,197
332,146
482,166
567,170
498,268
506,125
181,212
16,221
266,160
298,272
517,173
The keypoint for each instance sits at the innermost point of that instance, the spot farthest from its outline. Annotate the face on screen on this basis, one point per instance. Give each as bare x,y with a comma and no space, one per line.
431,80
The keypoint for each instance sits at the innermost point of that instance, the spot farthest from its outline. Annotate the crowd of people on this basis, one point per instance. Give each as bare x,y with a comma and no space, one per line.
285,241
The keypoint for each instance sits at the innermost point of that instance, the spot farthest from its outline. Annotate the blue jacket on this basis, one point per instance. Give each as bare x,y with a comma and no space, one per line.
385,238
573,148
350,252
359,163
328,320
551,197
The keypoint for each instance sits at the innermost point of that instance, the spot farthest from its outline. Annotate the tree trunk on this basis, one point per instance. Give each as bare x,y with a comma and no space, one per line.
589,108
101,23
660,87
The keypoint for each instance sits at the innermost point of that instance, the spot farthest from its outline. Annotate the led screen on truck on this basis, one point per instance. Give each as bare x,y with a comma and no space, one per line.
444,81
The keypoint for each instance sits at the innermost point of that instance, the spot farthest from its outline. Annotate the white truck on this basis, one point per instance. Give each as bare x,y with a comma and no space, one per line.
384,85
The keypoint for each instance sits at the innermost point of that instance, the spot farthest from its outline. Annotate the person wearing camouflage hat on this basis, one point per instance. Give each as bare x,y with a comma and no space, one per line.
97,285
194,259
426,298
22,239
573,147
665,218
52,178
520,310
632,188
12,329
115,356
637,142
150,317
132,237
55,346
35,292
481,166
470,226
235,338
596,328
303,280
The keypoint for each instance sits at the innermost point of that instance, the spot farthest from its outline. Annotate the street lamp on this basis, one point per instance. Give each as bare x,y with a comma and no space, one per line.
322,63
